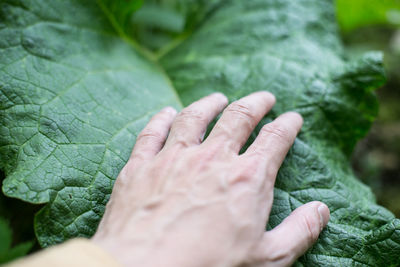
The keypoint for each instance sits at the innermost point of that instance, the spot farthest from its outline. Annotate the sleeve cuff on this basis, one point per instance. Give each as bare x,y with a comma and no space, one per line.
76,252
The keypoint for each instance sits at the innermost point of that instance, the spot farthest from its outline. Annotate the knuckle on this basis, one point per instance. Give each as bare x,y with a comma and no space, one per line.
181,141
138,156
244,175
241,109
191,114
310,224
276,256
281,132
283,256
240,178
148,134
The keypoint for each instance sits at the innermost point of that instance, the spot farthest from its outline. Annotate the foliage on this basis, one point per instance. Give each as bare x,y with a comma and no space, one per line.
6,252
353,14
75,91
377,158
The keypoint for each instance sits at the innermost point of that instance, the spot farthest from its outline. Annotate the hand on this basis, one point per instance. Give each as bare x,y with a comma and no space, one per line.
182,201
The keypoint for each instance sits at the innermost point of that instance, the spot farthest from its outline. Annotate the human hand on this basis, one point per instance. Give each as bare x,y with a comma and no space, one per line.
182,201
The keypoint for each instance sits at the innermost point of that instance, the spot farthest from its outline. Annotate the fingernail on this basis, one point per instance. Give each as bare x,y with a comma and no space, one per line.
170,110
324,215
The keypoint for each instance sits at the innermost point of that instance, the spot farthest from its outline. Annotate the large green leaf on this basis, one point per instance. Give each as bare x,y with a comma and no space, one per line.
75,91
73,97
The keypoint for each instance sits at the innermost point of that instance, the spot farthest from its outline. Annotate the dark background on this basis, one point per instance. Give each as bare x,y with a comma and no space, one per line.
375,25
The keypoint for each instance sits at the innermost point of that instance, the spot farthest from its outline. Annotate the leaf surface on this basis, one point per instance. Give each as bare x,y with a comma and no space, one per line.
75,92
74,95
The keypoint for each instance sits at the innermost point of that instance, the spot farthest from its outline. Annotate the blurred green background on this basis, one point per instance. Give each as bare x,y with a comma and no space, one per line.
364,24
375,25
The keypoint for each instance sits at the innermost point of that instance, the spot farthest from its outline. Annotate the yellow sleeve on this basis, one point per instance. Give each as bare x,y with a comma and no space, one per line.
76,252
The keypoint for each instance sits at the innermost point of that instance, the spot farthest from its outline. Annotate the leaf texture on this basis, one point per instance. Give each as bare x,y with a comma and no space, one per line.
75,92
74,95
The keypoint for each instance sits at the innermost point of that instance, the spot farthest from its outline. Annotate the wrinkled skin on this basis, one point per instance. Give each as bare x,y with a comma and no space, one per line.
184,201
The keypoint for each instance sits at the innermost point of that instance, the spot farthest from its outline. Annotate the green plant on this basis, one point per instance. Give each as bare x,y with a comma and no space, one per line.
353,14
6,252
76,90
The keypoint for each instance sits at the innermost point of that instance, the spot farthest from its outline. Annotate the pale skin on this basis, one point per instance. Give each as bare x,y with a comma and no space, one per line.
184,201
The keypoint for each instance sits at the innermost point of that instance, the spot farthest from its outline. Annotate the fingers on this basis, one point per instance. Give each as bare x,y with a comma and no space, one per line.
150,141
239,119
293,237
191,123
274,140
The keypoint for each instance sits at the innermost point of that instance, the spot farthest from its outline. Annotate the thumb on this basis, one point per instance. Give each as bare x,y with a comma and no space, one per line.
293,237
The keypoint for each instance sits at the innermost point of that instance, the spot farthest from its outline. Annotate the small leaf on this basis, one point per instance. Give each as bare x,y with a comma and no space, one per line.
6,252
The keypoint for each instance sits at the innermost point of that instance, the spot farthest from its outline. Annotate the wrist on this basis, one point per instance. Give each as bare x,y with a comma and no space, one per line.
160,253
125,254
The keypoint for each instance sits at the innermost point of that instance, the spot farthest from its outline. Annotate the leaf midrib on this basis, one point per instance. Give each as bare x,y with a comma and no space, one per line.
152,57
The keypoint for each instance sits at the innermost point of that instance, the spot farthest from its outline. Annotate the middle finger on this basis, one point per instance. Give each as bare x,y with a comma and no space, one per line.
239,119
